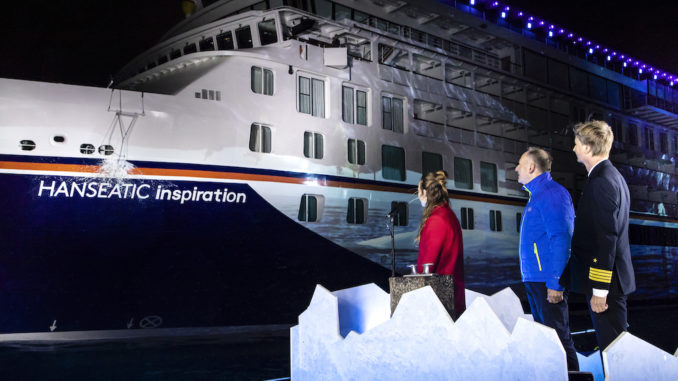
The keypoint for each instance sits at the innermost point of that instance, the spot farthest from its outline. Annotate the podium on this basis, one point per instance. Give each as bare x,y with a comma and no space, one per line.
442,285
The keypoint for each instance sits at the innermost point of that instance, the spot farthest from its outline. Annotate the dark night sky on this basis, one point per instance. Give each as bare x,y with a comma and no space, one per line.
86,41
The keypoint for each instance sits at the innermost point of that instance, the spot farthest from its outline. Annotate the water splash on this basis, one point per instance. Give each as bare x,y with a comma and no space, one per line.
115,169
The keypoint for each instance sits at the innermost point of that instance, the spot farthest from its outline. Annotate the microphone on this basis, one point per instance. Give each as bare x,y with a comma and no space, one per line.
394,211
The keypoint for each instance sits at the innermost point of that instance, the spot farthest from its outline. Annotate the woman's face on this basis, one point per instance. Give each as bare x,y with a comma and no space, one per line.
421,193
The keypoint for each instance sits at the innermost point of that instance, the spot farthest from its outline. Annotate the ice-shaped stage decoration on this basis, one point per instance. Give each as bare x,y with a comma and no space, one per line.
348,335
631,358
420,341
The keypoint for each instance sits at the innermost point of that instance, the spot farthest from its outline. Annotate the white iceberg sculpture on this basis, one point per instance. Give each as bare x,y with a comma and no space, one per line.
631,358
421,341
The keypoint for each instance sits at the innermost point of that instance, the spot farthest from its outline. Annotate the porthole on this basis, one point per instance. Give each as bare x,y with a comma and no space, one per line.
87,149
27,145
58,139
106,149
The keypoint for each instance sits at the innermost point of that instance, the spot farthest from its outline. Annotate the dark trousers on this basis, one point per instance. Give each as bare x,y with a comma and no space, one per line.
610,323
554,316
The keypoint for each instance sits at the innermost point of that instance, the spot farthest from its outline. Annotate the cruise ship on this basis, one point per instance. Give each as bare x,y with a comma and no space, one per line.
262,147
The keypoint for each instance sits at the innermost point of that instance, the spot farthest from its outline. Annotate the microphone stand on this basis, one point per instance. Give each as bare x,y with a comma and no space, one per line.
391,218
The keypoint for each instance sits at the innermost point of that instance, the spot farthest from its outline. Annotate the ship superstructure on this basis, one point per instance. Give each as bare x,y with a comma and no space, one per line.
260,145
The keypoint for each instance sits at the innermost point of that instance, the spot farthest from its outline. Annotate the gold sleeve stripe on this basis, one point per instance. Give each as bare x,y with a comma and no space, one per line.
600,275
603,273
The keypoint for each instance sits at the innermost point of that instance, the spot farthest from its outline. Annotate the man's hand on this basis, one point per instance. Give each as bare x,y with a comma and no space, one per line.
554,296
598,303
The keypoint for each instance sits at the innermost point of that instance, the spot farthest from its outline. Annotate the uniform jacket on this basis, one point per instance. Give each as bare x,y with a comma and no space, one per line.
601,256
441,244
545,231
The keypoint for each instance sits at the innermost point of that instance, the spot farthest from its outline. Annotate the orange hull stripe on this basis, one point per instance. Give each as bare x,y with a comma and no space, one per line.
234,176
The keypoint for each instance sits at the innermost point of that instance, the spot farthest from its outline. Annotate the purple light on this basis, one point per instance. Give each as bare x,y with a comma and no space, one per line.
598,47
531,18
561,31
495,4
541,23
629,60
644,66
551,26
605,50
570,35
520,14
614,53
580,39
636,63
622,56
507,8
588,43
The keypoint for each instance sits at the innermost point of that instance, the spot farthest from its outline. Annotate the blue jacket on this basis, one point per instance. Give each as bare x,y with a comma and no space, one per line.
545,231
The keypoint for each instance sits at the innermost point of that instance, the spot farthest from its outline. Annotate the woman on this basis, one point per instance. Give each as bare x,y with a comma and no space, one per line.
439,235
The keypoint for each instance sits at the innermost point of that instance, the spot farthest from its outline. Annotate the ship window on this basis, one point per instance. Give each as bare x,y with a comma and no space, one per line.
27,145
430,112
308,208
347,104
87,149
392,114
162,60
649,138
356,151
431,162
58,139
519,218
267,32
190,48
495,220
362,51
393,163
401,217
106,149
467,218
463,175
244,37
488,177
341,12
206,44
261,80
175,54
312,96
225,41
313,145
197,95
349,113
633,134
458,76
260,138
391,56
357,210
664,142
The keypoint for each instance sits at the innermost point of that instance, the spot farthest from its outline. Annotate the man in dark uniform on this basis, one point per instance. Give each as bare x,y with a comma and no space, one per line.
600,262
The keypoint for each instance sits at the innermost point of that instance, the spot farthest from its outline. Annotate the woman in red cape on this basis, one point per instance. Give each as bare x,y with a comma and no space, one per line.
439,235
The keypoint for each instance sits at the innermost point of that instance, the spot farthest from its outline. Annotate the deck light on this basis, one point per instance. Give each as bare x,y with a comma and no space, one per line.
580,39
561,31
550,34
590,50
671,83
529,25
495,3
622,56
541,23
520,14
640,71
624,64
609,58
570,35
503,15
654,77
472,2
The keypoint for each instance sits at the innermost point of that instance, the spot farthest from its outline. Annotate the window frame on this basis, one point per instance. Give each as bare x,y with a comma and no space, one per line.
391,126
261,141
353,204
356,151
311,145
402,170
320,112
262,78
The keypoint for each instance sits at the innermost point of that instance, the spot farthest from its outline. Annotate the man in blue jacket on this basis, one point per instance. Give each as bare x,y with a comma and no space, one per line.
545,234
